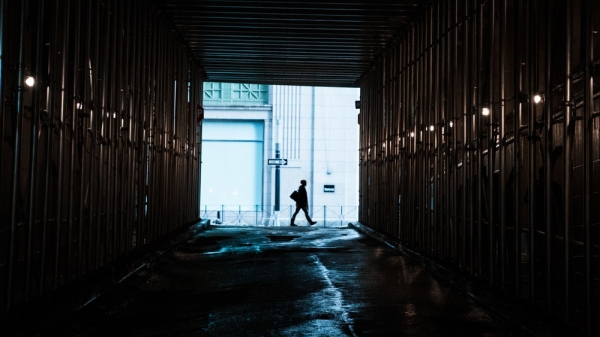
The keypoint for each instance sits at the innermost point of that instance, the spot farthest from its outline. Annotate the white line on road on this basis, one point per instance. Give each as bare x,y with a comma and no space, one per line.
336,294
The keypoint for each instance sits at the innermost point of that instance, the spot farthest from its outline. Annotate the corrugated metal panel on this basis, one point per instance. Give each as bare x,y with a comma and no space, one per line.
316,43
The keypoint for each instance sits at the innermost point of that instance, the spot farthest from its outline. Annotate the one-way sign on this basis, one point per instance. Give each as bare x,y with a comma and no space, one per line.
277,161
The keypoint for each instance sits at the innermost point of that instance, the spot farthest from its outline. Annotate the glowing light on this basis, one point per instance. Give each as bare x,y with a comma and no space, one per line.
451,124
30,81
412,134
485,111
537,99
431,128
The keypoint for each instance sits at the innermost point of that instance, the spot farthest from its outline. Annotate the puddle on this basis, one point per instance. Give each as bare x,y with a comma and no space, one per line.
282,238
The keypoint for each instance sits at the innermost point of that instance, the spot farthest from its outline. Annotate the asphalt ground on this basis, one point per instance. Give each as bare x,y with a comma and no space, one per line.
283,281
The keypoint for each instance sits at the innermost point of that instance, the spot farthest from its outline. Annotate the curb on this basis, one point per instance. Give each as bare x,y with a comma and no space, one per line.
57,307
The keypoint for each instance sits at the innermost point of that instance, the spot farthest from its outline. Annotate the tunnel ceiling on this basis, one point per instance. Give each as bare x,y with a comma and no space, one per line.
301,42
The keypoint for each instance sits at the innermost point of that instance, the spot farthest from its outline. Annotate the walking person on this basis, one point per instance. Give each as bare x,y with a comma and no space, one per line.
302,204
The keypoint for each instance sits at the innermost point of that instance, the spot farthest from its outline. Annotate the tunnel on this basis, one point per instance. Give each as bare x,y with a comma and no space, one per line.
479,131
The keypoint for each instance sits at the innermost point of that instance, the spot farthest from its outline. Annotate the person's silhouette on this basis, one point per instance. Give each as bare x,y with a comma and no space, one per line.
302,204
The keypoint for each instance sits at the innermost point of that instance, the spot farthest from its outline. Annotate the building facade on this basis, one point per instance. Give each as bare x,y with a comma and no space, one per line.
315,129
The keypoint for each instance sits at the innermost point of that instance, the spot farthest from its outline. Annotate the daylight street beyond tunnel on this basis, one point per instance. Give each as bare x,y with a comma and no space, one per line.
283,281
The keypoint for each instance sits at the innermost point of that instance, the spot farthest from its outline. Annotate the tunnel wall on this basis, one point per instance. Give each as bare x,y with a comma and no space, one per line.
427,152
100,155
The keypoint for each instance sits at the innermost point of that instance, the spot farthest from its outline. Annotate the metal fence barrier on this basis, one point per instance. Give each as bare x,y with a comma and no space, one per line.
261,215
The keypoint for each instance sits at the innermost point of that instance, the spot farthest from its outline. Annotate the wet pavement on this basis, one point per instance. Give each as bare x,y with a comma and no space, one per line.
282,281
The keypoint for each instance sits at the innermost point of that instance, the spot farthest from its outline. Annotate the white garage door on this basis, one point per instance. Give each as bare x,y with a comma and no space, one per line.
232,159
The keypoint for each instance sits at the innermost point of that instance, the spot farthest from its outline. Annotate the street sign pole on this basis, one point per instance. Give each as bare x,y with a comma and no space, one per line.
277,179
277,161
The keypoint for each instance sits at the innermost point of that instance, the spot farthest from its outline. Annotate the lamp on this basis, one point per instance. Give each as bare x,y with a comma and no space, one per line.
30,81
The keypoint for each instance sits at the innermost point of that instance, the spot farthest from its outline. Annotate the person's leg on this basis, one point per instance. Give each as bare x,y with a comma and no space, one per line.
294,216
308,217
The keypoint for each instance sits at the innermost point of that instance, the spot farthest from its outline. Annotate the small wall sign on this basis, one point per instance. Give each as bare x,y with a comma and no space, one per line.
329,188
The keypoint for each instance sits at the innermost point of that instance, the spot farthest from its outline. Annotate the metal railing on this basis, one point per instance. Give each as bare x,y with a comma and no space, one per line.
262,215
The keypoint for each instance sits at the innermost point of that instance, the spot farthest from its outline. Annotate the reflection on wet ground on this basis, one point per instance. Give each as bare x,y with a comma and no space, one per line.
283,281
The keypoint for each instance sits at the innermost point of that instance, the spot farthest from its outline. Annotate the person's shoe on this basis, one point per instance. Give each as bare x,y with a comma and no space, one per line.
292,224
313,222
